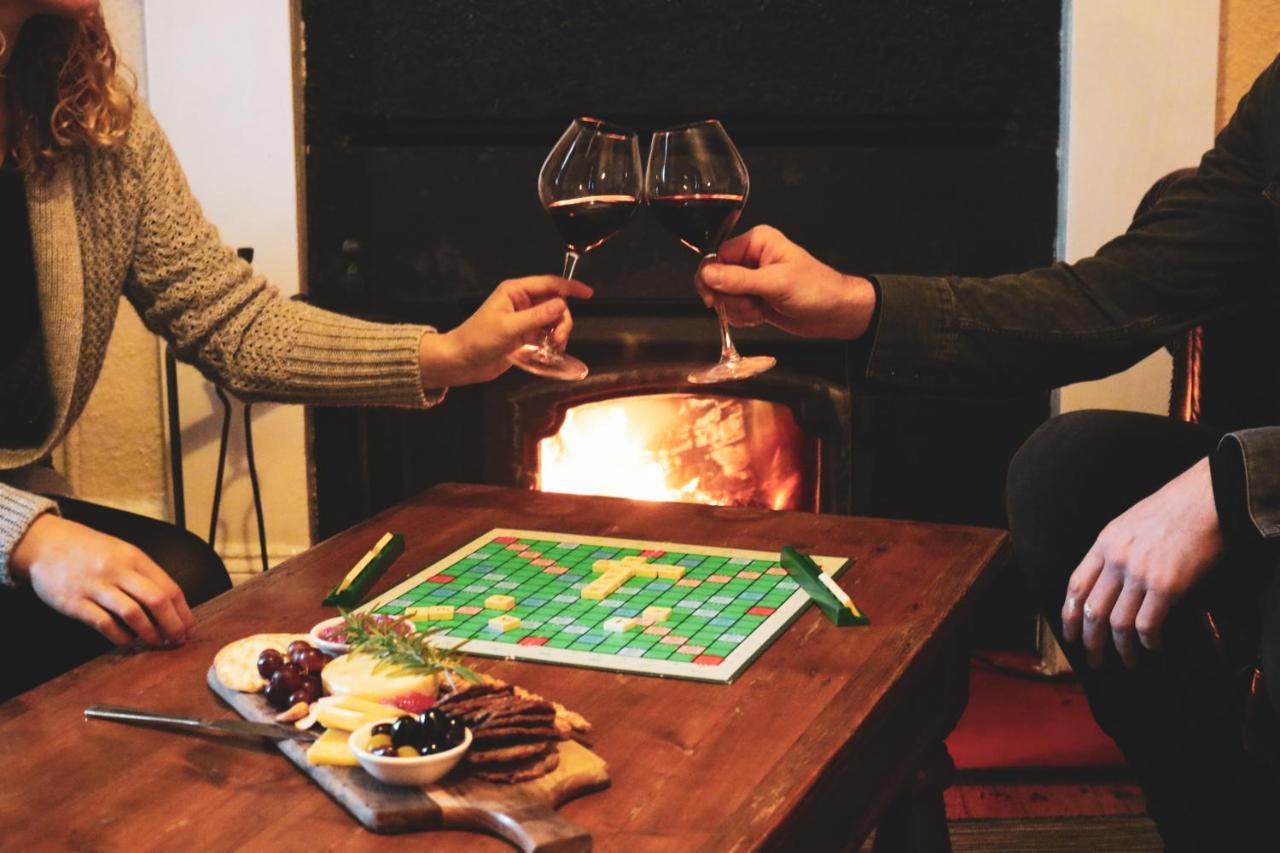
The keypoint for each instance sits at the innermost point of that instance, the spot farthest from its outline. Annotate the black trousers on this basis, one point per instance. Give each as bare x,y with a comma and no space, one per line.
1178,717
52,643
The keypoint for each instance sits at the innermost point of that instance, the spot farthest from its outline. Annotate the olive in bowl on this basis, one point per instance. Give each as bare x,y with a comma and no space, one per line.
399,759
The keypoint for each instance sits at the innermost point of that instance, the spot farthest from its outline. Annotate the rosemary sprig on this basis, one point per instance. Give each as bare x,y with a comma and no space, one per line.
409,650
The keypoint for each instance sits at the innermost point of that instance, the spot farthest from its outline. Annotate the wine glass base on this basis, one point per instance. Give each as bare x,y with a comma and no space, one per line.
553,365
727,371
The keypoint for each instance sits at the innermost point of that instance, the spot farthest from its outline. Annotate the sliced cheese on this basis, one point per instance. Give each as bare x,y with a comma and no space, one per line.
354,675
331,748
355,703
347,719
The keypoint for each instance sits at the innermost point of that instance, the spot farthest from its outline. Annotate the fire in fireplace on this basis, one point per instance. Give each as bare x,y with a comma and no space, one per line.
695,448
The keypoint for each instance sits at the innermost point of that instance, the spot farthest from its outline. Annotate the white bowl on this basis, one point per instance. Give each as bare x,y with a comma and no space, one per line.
327,646
421,770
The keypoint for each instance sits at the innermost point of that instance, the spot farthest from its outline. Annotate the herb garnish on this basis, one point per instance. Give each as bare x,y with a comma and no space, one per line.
409,650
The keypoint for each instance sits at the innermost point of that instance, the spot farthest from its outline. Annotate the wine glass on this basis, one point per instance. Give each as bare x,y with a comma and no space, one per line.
591,184
697,184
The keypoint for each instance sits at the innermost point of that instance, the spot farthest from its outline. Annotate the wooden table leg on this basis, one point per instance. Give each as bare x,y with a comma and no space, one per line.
916,820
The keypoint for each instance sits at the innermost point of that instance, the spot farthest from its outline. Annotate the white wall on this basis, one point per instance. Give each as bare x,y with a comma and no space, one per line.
220,80
1141,81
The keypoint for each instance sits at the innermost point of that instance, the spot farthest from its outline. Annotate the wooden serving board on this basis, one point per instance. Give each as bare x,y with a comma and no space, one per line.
523,814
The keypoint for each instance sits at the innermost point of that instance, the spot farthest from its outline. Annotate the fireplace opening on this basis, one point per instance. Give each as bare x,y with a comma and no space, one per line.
780,440
694,448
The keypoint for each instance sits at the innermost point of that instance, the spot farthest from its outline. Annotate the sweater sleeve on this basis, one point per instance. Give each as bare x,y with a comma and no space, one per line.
192,289
18,509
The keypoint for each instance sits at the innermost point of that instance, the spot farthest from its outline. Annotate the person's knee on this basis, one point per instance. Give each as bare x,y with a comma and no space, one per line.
1045,472
1051,492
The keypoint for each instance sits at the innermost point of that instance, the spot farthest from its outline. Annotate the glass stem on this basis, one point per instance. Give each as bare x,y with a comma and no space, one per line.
548,347
728,352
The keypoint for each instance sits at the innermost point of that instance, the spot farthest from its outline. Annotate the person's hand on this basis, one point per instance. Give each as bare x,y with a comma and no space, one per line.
102,581
762,277
517,312
1141,564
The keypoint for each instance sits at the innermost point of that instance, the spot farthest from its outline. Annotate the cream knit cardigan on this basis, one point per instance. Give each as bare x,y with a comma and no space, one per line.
124,221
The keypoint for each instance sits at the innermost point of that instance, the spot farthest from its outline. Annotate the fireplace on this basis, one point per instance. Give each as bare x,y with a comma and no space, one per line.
918,137
778,441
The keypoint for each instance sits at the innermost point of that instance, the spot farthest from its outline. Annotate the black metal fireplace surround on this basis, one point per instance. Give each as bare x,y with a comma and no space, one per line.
911,136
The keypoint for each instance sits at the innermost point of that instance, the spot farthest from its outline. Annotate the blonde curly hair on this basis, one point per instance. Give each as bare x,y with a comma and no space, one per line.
65,91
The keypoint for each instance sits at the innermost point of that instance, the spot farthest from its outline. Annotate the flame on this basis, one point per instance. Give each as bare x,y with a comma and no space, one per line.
676,447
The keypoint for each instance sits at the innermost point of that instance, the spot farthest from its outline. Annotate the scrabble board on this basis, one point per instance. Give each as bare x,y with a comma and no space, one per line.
725,605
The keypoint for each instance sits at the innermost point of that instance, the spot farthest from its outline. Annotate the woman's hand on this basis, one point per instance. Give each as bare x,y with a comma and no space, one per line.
516,313
102,581
762,277
1141,564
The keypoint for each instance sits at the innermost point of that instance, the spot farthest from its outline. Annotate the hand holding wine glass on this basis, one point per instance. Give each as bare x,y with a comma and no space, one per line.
590,184
697,185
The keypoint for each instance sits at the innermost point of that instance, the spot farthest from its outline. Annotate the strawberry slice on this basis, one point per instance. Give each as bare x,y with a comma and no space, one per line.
415,702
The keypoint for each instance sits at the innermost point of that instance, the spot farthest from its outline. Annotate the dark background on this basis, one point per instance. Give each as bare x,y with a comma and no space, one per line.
884,136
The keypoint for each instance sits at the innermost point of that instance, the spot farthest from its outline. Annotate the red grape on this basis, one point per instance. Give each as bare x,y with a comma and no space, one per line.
296,648
308,692
284,681
269,661
310,660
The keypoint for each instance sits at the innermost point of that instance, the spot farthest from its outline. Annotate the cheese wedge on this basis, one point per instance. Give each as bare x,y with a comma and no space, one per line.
355,675
331,748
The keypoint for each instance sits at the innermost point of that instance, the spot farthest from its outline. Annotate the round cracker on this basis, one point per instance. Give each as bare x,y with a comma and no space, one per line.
236,663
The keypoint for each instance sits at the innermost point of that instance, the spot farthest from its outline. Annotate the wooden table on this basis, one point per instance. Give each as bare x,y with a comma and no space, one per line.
826,734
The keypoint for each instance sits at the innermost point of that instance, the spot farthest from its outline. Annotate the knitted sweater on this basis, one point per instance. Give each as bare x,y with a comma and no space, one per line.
124,221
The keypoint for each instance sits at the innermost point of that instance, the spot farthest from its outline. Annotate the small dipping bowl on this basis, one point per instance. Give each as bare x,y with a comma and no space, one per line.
420,770
329,647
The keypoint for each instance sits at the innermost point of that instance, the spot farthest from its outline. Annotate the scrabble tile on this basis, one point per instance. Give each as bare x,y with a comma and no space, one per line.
633,559
504,623
671,573
619,624
646,570
440,612
418,614
499,602
654,615
596,593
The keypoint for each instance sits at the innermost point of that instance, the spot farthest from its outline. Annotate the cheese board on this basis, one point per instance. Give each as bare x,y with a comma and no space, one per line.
523,814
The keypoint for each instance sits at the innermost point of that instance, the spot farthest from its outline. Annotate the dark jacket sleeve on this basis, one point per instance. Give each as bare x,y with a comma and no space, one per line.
1208,245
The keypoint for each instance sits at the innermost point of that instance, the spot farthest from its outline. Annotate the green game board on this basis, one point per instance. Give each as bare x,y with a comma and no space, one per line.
725,611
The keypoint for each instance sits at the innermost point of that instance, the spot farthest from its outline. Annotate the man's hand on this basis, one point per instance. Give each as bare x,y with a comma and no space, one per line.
762,277
1142,563
516,313
101,581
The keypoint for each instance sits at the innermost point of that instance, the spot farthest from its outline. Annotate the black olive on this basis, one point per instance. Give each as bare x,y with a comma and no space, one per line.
407,731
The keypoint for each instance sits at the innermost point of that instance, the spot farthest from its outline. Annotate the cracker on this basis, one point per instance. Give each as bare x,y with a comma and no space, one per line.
236,663
510,754
481,736
513,720
521,771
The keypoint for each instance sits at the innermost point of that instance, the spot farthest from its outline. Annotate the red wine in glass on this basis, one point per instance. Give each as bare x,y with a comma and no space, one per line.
697,185
587,221
590,185
700,220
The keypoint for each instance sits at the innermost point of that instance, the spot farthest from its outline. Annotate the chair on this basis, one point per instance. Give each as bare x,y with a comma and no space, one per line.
175,450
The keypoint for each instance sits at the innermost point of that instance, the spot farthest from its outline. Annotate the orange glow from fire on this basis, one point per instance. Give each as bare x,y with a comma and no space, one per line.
722,451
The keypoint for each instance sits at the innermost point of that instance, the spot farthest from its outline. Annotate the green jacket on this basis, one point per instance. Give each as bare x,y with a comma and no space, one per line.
1211,244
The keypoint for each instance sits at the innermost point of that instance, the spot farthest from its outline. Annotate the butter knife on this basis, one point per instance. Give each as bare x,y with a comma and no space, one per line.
239,728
